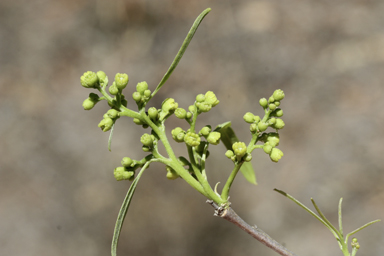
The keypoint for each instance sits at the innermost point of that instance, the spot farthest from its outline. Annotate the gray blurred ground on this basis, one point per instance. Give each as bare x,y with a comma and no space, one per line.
57,191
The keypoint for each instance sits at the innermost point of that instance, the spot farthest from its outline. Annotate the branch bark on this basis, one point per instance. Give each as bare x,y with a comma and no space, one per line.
230,215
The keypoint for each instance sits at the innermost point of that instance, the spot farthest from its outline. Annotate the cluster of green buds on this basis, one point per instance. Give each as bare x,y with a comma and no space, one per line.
239,153
194,139
127,170
206,102
271,140
142,93
109,120
148,141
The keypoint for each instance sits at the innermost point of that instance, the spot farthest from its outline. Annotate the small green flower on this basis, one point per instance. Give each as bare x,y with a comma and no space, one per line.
262,126
273,139
263,102
249,117
214,138
203,106
106,124
192,139
272,106
279,112
279,124
121,173
253,127
271,99
147,140
200,98
229,154
89,80
136,96
153,113
88,104
267,148
211,98
121,81
205,130
141,87
178,134
113,89
147,93
171,174
276,154
168,107
278,95
113,113
101,75
248,157
239,148
180,113
127,162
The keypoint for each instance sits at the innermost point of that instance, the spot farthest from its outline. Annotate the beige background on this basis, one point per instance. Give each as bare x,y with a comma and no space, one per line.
57,191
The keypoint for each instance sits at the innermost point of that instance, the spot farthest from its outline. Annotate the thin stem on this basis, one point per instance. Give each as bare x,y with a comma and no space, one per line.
231,178
230,215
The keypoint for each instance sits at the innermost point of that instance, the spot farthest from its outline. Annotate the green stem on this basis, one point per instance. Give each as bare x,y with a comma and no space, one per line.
183,47
231,178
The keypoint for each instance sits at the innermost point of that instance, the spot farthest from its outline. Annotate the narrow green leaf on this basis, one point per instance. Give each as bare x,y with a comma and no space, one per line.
110,137
183,47
325,219
340,217
124,209
360,228
228,137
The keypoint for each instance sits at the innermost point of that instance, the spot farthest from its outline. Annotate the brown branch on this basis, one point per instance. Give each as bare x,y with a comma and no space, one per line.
230,215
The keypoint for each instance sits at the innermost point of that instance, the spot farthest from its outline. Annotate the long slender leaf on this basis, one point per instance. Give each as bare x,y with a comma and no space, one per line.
124,209
360,228
183,47
110,138
228,137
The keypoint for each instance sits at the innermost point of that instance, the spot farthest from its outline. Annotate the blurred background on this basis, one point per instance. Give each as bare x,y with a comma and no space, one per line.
58,195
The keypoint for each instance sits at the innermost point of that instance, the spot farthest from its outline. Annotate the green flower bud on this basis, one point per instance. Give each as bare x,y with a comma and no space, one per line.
278,94
273,139
257,119
88,104
191,108
210,98
279,112
121,81
127,162
153,113
178,134
253,127
277,103
136,96
272,120
168,107
229,154
249,117
271,99
279,124
137,121
113,113
263,102
147,140
214,138
106,124
147,93
203,106
200,98
141,87
267,148
113,89
171,174
248,157
146,148
180,113
101,75
272,106
276,154
189,115
262,126
121,173
192,139
89,80
239,148
205,130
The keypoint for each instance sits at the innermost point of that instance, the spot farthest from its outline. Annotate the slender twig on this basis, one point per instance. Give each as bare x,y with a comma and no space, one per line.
230,215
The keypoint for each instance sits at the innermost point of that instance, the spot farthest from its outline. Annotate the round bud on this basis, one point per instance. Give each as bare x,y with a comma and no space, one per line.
88,104
276,154
271,99
239,148
203,106
171,174
273,139
253,127
101,75
147,140
127,162
267,148
113,89
192,139
272,106
180,113
191,108
214,138
200,98
263,102
141,87
106,124
137,121
147,93
278,94
211,99
136,96
189,115
354,240
89,80
146,149
272,120
262,126
279,112
178,134
248,157
121,81
279,124
153,113
205,130
257,119
119,173
277,103
249,117
113,113
229,153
